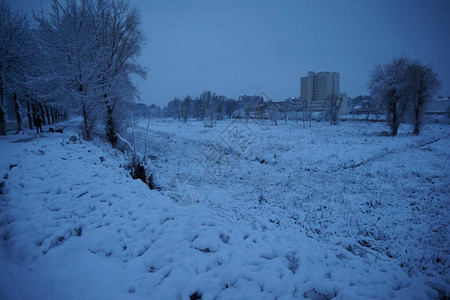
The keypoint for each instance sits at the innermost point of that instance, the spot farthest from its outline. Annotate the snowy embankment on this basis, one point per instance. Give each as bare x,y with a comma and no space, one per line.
74,225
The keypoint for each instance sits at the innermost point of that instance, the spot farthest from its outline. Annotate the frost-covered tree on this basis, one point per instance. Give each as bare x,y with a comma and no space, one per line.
186,108
173,109
154,111
273,111
120,40
403,84
15,52
219,106
333,106
208,101
91,47
230,106
424,84
390,86
197,108
68,39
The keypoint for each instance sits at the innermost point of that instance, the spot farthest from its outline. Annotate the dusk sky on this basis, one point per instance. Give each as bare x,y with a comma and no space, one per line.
238,48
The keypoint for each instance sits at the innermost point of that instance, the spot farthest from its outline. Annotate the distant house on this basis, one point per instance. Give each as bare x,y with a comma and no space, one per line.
279,106
250,100
250,106
296,104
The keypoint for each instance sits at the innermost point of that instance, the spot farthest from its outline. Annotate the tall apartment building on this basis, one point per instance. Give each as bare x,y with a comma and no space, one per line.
319,86
316,88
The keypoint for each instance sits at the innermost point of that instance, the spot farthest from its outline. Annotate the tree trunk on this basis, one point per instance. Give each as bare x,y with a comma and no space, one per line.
18,111
416,120
30,114
87,133
368,112
35,109
52,113
2,120
110,126
48,115
395,121
42,112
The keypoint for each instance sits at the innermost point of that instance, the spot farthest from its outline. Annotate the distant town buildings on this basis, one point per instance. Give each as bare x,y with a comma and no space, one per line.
317,88
250,100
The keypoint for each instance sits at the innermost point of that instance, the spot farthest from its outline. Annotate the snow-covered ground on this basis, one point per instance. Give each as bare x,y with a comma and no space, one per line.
246,211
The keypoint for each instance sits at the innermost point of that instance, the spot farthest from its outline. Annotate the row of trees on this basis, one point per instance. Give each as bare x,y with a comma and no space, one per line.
210,107
401,86
80,56
207,106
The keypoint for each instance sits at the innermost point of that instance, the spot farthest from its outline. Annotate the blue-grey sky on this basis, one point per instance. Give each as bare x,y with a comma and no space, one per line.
246,47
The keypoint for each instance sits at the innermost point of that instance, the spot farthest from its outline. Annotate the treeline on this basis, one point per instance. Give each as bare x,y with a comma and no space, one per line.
77,59
210,107
207,106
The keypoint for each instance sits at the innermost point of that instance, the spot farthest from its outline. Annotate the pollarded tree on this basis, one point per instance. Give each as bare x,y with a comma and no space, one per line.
390,86
424,84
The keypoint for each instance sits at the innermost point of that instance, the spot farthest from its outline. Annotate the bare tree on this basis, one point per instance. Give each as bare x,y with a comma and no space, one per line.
274,112
389,85
120,41
91,46
186,108
424,84
18,110
230,107
68,39
208,106
332,112
197,108
15,54
174,108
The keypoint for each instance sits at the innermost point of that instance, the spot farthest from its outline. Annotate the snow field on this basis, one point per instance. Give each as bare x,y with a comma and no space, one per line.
75,225
377,196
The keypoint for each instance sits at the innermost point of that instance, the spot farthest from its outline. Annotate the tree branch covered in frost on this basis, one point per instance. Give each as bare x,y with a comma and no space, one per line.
125,141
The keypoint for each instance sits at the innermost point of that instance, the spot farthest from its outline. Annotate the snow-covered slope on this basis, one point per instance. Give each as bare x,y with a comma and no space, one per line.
74,225
378,196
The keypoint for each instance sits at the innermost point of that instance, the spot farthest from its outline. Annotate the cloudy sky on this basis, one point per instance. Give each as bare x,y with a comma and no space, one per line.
247,47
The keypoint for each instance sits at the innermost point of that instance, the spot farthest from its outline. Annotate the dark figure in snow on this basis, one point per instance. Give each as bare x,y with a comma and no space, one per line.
38,124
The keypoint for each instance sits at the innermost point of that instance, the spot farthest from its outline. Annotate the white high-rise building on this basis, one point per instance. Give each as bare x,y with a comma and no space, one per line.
319,86
316,88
